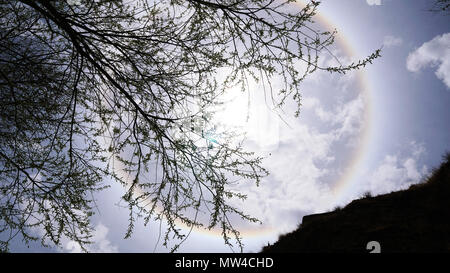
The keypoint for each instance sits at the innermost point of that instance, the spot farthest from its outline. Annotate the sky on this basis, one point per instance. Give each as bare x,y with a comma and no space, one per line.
377,130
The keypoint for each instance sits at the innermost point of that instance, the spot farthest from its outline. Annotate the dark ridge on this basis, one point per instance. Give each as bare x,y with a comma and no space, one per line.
412,220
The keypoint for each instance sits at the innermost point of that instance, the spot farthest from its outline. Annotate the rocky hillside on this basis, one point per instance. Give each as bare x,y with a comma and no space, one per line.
412,220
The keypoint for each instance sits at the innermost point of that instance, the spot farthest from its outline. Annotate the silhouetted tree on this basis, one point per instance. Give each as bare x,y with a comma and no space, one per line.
442,6
87,86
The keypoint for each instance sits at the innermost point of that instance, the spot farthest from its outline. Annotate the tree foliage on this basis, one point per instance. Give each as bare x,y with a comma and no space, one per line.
442,6
93,91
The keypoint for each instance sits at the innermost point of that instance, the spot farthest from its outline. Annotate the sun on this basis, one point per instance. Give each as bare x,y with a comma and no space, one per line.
247,114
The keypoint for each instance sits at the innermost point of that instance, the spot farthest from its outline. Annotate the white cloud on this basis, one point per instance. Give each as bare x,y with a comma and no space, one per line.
302,163
391,41
347,117
309,103
350,116
396,173
434,53
374,2
293,187
100,243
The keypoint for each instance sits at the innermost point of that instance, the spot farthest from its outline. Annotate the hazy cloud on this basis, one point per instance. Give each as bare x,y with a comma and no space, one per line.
391,41
396,173
294,184
374,2
434,53
100,242
348,116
